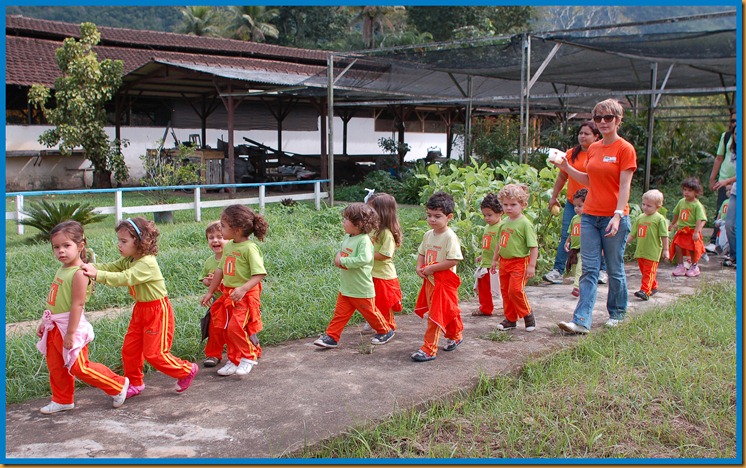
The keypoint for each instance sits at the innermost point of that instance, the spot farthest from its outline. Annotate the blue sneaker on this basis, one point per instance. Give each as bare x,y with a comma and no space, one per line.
421,356
452,344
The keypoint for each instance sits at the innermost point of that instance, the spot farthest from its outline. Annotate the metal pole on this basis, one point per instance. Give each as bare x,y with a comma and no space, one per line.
330,125
467,124
527,115
651,121
523,94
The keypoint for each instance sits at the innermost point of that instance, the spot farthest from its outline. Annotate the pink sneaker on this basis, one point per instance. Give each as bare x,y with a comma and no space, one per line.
183,384
693,271
134,390
680,270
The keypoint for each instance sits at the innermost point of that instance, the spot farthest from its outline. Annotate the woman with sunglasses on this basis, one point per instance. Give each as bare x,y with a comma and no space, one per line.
576,157
605,222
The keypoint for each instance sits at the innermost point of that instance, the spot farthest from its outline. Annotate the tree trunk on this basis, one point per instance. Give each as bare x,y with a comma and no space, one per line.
101,178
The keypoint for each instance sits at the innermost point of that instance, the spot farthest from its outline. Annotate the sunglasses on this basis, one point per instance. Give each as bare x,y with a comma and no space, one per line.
606,118
733,120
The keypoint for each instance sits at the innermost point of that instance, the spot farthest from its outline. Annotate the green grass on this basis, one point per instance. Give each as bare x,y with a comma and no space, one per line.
298,298
662,386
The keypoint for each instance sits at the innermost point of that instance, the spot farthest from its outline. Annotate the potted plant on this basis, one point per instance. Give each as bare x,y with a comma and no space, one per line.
163,169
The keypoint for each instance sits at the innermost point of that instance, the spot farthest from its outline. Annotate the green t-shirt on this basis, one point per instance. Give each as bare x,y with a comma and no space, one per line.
240,262
143,277
724,208
573,230
728,166
437,248
688,213
210,265
60,295
649,231
517,237
384,243
357,265
489,241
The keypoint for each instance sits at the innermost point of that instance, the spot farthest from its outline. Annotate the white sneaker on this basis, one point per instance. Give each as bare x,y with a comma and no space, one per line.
118,399
711,248
603,277
245,366
612,323
54,407
228,369
572,327
554,277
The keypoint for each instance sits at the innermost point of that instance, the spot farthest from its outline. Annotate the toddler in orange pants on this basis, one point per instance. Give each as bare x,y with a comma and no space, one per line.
651,231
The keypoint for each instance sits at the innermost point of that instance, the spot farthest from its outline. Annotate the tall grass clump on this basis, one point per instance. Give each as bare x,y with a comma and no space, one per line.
662,385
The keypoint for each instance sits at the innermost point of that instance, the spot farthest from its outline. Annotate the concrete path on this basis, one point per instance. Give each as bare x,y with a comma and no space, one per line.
299,395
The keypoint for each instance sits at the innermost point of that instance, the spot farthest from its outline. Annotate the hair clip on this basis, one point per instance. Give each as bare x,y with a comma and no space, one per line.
137,229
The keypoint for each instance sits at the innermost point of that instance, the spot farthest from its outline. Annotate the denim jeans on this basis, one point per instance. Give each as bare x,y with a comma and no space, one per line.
592,243
560,260
730,227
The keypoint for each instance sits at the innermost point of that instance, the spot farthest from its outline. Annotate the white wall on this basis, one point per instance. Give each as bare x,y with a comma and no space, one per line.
20,172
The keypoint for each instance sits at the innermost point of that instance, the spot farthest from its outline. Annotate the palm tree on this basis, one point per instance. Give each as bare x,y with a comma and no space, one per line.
199,21
251,23
374,21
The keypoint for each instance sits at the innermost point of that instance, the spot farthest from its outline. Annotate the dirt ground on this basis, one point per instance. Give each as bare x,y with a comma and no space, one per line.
300,395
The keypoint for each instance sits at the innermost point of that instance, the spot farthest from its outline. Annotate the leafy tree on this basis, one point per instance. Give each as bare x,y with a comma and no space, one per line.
79,116
373,22
442,22
313,27
252,23
199,21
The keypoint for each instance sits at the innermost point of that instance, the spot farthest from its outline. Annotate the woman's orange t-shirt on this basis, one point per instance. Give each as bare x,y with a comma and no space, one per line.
604,165
579,164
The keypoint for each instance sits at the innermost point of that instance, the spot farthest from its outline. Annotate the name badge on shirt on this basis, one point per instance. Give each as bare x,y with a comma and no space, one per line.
609,159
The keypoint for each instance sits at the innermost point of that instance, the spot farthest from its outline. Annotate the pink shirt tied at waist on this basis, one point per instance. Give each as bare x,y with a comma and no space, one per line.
83,335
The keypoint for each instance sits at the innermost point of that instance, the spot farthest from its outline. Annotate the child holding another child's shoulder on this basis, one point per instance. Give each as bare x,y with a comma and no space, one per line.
487,283
216,335
688,220
239,278
516,255
438,255
151,328
651,231
356,290
64,332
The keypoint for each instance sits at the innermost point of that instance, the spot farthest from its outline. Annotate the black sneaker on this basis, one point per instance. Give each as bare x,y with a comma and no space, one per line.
326,341
642,295
421,356
506,325
653,292
452,344
382,338
530,322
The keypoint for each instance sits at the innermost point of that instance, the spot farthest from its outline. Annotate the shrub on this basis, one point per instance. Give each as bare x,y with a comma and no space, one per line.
45,215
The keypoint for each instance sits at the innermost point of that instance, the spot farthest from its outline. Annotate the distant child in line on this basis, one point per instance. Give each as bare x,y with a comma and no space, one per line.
239,279
151,329
386,239
438,255
216,336
516,255
688,219
487,284
572,245
651,231
721,243
356,289
65,333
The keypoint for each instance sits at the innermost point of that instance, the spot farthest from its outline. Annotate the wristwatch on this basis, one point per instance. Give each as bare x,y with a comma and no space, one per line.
619,212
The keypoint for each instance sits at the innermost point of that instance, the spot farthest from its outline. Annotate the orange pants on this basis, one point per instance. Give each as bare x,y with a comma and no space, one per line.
649,270
388,298
484,292
148,338
62,382
242,319
454,329
346,306
512,287
216,338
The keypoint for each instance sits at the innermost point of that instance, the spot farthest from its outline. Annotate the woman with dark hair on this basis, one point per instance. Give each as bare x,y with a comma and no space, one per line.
576,157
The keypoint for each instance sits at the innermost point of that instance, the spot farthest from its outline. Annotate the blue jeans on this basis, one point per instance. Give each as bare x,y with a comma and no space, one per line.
592,243
560,260
730,227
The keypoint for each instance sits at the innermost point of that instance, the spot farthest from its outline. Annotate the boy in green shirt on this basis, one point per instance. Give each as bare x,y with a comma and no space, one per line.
572,245
651,231
487,284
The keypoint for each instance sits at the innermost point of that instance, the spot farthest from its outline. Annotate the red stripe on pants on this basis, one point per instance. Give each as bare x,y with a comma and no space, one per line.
388,298
346,306
512,287
62,381
216,337
244,319
649,270
454,328
148,338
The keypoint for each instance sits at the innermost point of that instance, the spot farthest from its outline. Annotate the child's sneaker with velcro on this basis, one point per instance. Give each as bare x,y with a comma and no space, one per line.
245,366
693,271
452,344
228,369
382,338
530,322
326,341
184,383
506,325
421,356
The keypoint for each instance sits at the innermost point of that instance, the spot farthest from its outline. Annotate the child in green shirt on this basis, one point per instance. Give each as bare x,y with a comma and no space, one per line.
688,219
651,231
572,245
487,284
216,335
